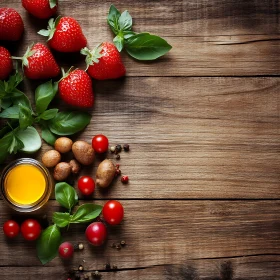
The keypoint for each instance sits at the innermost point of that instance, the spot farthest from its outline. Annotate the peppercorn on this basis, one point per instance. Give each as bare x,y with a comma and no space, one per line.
81,268
107,266
123,243
81,246
115,267
118,247
118,157
112,149
118,172
124,179
118,149
76,246
126,147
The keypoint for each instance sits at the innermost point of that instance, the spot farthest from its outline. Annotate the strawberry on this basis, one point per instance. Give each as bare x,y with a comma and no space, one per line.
11,24
6,63
40,8
75,88
104,62
39,63
65,35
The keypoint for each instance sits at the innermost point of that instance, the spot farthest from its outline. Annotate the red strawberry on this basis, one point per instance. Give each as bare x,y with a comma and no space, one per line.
104,62
40,8
76,89
11,24
65,35
39,63
6,63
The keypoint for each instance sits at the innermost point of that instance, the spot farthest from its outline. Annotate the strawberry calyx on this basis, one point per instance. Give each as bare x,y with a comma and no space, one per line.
66,74
53,3
92,56
52,24
29,52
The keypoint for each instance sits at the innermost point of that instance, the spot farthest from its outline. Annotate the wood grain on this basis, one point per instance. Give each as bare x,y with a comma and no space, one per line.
207,38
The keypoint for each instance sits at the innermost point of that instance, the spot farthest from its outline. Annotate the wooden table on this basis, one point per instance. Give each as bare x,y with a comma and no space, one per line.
204,129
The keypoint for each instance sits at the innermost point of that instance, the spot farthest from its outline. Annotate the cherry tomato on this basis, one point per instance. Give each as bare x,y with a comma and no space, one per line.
86,185
113,212
96,233
30,229
100,143
11,229
66,250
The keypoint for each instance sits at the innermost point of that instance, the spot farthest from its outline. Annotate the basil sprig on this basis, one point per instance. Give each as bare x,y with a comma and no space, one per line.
141,46
16,106
50,239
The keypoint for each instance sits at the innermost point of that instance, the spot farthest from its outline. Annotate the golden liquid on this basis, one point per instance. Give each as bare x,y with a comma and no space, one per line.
25,184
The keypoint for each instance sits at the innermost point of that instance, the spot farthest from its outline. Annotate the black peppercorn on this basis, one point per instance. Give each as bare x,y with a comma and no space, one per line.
107,266
118,149
118,157
126,147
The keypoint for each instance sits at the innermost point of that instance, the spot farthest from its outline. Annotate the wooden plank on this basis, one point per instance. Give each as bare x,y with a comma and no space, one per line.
191,137
205,233
207,38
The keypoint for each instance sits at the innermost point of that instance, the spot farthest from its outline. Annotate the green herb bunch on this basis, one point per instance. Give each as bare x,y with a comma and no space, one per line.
51,238
19,134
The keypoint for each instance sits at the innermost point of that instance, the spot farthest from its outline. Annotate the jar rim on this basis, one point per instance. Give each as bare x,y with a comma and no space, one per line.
43,199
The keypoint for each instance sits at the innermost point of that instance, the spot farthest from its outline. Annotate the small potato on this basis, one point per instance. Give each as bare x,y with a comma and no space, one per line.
105,173
61,171
83,152
63,145
75,166
51,158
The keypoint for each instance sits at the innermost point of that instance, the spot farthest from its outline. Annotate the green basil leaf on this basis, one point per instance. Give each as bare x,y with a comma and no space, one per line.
5,143
48,243
125,21
86,213
145,46
10,113
18,97
67,123
61,219
44,94
52,3
48,136
113,18
66,195
6,103
48,114
128,34
25,116
119,42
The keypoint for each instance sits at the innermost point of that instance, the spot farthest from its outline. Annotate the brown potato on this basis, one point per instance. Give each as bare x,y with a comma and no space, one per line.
105,173
51,158
61,171
63,145
75,166
83,152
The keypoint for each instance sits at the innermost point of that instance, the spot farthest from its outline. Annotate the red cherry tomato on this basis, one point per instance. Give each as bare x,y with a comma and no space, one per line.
11,229
66,250
30,229
86,185
100,143
113,212
96,233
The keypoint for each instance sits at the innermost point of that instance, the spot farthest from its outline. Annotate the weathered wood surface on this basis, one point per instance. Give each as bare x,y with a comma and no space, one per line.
204,161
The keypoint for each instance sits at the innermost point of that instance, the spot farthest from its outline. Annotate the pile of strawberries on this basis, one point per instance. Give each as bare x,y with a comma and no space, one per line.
64,35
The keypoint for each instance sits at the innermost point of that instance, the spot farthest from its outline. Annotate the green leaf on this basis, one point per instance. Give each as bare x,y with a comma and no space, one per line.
86,213
52,3
25,116
119,42
48,114
125,21
20,97
30,139
48,243
128,34
61,219
67,123
145,46
10,113
6,102
44,94
48,136
113,18
65,195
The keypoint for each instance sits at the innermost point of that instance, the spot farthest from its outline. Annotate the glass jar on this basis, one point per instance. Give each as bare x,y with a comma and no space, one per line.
26,185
